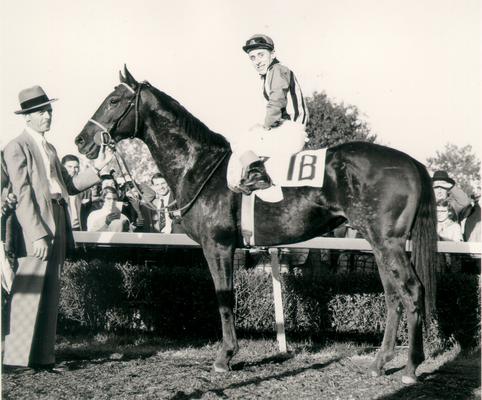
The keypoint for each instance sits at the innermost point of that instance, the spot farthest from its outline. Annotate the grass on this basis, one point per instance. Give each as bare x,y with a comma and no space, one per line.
147,367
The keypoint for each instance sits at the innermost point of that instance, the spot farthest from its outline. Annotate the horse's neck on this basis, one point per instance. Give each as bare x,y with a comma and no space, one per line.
180,160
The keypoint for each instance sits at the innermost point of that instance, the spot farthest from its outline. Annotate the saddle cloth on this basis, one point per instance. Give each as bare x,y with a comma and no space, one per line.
305,168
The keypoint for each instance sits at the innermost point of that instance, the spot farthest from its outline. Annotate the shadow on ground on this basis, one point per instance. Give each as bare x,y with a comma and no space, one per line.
118,349
457,379
220,391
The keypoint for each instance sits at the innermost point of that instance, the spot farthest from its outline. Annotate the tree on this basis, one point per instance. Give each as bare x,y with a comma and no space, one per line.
330,123
138,159
461,164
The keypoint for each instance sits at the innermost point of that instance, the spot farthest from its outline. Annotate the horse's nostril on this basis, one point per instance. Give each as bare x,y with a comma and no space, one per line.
79,141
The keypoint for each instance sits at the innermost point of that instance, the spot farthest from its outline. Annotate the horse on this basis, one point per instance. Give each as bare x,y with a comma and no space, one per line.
383,193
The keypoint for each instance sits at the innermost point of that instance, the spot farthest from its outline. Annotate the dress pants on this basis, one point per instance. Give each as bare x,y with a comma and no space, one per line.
35,301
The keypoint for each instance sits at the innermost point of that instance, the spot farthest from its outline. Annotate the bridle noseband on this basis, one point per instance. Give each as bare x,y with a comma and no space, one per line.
106,133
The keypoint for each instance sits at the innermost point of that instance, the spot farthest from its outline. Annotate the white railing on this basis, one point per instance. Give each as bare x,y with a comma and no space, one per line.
182,240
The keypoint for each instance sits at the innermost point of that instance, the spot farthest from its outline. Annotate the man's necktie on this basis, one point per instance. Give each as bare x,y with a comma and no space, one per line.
51,156
162,217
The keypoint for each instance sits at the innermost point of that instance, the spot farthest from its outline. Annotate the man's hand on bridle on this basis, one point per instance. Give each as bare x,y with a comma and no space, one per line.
105,156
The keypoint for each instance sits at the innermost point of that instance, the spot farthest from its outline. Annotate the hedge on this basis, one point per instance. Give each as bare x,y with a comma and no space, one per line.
170,301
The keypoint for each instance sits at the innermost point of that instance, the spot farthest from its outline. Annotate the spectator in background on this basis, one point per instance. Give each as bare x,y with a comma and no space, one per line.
8,258
109,217
447,227
471,225
137,199
106,180
78,203
445,189
161,219
164,221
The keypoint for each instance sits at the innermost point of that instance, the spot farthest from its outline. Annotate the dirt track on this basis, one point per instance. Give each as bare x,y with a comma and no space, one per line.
163,371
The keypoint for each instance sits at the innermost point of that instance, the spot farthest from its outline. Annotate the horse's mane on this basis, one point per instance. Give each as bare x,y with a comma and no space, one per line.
192,126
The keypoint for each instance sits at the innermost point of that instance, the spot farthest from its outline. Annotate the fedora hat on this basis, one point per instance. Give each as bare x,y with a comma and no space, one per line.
31,99
442,179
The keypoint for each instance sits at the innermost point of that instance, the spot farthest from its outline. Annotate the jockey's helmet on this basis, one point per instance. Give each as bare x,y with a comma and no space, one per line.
258,41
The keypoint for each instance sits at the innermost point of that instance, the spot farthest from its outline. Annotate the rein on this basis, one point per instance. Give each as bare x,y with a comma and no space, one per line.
179,212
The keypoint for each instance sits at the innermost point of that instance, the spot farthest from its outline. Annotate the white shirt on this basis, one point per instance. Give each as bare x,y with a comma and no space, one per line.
449,230
74,204
54,184
96,220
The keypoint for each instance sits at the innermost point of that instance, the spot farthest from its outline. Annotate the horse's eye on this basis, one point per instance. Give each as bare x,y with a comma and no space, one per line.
114,100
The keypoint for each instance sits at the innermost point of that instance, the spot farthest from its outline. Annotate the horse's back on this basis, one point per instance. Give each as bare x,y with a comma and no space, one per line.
373,184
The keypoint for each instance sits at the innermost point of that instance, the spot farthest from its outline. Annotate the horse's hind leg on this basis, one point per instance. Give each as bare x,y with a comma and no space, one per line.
394,311
220,261
391,257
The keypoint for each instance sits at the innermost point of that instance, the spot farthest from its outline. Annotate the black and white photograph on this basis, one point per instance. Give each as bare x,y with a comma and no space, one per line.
241,200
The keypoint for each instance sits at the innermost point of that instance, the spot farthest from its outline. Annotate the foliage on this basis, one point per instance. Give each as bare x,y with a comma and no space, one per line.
330,123
138,158
176,301
461,163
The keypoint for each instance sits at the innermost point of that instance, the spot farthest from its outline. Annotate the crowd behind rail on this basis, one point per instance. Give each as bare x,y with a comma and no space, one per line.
118,204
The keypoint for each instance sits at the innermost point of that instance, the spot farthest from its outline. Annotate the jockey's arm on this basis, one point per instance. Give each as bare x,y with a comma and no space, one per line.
278,90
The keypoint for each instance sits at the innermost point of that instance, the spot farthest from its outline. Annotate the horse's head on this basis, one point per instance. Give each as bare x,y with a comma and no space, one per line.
117,117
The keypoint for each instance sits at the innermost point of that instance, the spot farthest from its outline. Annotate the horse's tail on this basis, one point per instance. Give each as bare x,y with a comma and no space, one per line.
424,241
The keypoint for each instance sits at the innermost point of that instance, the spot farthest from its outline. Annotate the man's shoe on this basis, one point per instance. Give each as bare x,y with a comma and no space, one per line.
17,370
255,178
52,368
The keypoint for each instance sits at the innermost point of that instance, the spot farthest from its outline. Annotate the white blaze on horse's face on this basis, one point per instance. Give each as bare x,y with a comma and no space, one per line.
261,59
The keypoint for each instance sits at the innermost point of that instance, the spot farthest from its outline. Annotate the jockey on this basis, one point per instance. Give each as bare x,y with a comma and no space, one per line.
283,131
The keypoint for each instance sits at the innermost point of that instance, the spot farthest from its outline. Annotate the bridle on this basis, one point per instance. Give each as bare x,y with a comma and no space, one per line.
106,137
105,134
106,140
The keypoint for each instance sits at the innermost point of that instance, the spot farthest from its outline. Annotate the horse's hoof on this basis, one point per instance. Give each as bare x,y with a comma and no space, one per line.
220,368
409,380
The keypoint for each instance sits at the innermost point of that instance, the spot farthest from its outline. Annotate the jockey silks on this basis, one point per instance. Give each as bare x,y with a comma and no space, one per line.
284,96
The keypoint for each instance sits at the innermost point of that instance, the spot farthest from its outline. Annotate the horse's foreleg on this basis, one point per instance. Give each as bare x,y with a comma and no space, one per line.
221,266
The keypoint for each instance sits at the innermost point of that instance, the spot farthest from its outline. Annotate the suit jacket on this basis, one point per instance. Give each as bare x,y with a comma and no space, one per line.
29,183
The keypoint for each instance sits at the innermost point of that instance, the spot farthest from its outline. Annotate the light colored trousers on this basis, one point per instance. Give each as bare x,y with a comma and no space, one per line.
282,141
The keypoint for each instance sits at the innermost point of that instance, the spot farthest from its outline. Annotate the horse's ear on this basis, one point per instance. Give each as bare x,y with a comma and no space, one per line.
129,79
121,77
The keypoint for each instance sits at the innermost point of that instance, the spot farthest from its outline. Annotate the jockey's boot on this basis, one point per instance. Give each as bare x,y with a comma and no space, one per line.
255,178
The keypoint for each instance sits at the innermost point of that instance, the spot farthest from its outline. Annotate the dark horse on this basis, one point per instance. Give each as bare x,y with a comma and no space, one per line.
383,193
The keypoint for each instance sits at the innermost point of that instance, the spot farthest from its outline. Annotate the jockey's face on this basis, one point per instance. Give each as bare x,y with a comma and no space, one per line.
261,59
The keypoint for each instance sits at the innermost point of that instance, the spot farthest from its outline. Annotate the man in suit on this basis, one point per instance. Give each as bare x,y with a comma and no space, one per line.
42,188
163,221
